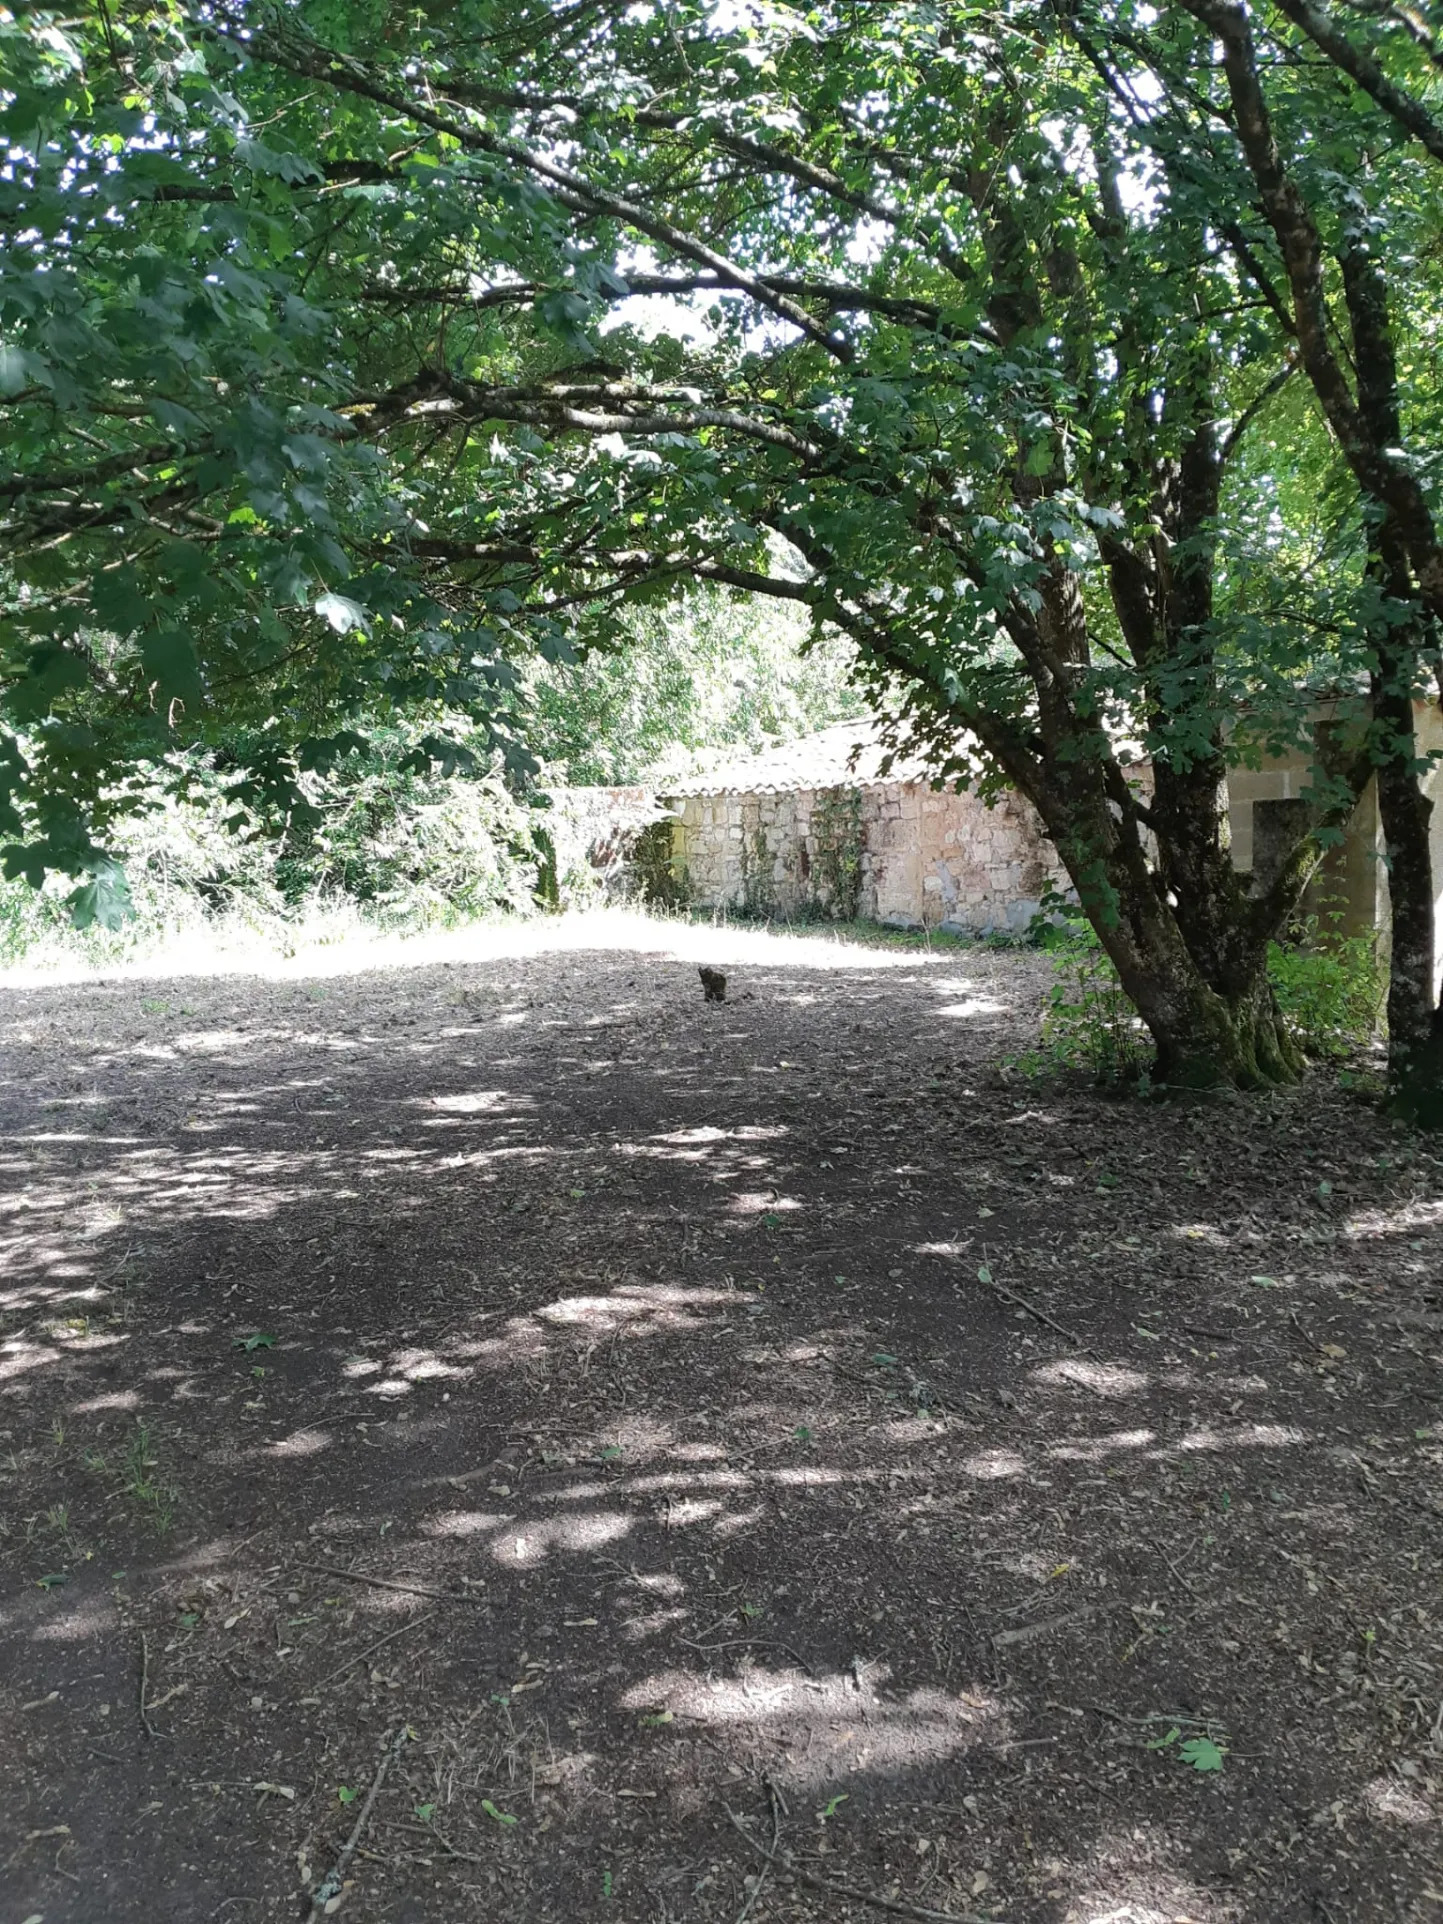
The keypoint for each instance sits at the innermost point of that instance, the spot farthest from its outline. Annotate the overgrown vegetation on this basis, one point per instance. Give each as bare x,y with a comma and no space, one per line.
373,842
837,863
1329,988
670,690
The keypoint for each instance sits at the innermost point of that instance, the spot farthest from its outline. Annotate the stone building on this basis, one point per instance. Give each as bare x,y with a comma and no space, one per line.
816,828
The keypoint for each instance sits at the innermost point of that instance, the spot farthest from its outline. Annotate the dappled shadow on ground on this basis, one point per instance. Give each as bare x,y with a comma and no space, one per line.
712,1431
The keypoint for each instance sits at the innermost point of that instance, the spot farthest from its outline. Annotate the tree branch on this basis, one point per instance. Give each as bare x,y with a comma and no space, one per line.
573,190
1328,37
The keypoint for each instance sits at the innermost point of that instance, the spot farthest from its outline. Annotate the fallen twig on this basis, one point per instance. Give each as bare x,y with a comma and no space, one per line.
765,1643
34,1837
426,1616
331,1884
446,1850
771,1858
896,1905
146,1725
1012,1296
389,1583
1030,1632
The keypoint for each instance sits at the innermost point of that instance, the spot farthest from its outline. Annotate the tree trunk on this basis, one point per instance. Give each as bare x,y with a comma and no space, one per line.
1207,1039
1415,1022
1224,1033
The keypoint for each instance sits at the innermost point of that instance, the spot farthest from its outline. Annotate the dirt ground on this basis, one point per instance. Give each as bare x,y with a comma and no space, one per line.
694,1462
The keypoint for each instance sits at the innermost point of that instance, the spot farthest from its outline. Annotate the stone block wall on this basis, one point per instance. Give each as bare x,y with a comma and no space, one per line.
894,852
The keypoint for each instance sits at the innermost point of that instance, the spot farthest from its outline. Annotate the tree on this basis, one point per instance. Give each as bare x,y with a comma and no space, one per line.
951,315
1352,196
714,671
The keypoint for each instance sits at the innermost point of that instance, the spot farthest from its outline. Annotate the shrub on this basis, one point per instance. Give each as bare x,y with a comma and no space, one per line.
383,846
1329,990
1089,1022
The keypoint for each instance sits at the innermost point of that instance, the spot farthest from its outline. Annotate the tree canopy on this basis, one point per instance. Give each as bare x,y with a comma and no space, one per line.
357,354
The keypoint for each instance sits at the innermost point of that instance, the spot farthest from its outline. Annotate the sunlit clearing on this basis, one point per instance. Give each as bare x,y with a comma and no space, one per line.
616,931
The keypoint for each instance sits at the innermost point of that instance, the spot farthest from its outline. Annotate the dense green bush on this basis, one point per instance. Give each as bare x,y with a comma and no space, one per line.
379,844
1330,991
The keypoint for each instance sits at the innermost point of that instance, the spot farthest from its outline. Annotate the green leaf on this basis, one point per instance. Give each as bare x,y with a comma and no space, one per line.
499,1816
260,1339
1202,1753
104,899
346,1795
342,613
14,370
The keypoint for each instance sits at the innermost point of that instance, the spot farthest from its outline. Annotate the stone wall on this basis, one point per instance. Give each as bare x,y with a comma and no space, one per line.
891,852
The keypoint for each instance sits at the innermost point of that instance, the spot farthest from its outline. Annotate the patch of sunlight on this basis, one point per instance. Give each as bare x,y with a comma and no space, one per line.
530,1544
479,1101
990,1466
753,1132
1258,1436
663,1305
1107,1379
821,1728
1108,1872
464,1523
739,1522
637,1629
17,1356
94,1619
694,1509
114,1400
1405,1221
1092,1449
973,1006
326,949
759,1202
419,1365
1395,1802
301,1443
1200,1233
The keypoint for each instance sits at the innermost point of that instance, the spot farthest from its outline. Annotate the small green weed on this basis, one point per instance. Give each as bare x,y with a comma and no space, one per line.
1201,1754
139,1481
1089,1022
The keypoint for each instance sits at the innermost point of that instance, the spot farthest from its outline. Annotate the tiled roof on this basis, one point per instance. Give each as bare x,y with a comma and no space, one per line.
846,755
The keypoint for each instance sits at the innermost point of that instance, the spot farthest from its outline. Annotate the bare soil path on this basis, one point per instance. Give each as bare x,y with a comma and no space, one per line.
580,1405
